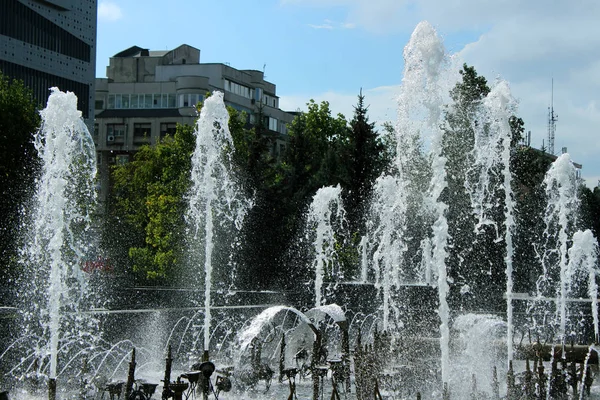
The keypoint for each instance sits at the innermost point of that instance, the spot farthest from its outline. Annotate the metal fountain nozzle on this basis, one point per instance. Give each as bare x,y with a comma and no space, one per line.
207,368
223,384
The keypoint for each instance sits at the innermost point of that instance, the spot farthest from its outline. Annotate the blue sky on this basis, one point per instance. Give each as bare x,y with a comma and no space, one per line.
330,49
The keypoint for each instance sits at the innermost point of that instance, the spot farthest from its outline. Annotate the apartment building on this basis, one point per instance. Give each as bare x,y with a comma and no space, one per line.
147,93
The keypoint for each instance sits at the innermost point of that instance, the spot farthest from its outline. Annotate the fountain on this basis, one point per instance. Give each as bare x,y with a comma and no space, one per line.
324,218
421,339
214,191
54,289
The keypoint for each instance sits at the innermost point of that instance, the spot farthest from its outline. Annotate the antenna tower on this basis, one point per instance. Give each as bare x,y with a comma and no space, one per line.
552,118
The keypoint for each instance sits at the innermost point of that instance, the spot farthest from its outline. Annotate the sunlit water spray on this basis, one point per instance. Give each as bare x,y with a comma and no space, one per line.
492,155
583,262
64,201
215,198
325,213
422,100
476,353
559,218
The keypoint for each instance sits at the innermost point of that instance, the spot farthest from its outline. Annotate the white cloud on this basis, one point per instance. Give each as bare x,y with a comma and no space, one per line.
323,26
331,25
527,43
108,11
530,51
374,15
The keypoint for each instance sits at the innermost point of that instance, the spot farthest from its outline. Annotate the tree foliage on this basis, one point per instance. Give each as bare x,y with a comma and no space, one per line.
150,196
19,120
465,270
364,158
323,149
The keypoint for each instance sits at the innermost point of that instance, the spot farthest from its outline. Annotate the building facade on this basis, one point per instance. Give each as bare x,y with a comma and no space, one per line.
48,43
147,93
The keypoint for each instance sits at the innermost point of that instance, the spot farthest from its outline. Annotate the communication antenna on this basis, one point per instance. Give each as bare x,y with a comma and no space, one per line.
552,118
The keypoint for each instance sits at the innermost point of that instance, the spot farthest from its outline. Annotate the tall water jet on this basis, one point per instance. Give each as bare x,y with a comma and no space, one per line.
422,100
492,155
326,211
583,260
64,201
475,352
561,192
401,200
215,196
390,210
364,259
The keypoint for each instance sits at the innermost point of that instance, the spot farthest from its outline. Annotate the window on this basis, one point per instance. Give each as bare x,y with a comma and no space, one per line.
273,124
99,104
195,99
172,101
156,100
238,89
189,100
142,130
134,101
147,101
115,131
183,100
167,128
96,130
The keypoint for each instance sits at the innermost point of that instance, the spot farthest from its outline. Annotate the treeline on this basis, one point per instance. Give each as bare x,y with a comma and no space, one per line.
145,231
144,227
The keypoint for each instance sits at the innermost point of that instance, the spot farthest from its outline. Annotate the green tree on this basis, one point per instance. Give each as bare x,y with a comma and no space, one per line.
467,268
252,145
312,157
150,200
529,167
283,193
363,156
590,209
19,120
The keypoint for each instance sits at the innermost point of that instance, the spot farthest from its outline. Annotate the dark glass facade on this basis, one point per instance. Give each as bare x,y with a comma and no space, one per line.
22,23
41,82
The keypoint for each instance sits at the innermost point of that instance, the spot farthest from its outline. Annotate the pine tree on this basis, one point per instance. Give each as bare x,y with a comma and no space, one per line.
467,269
363,158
